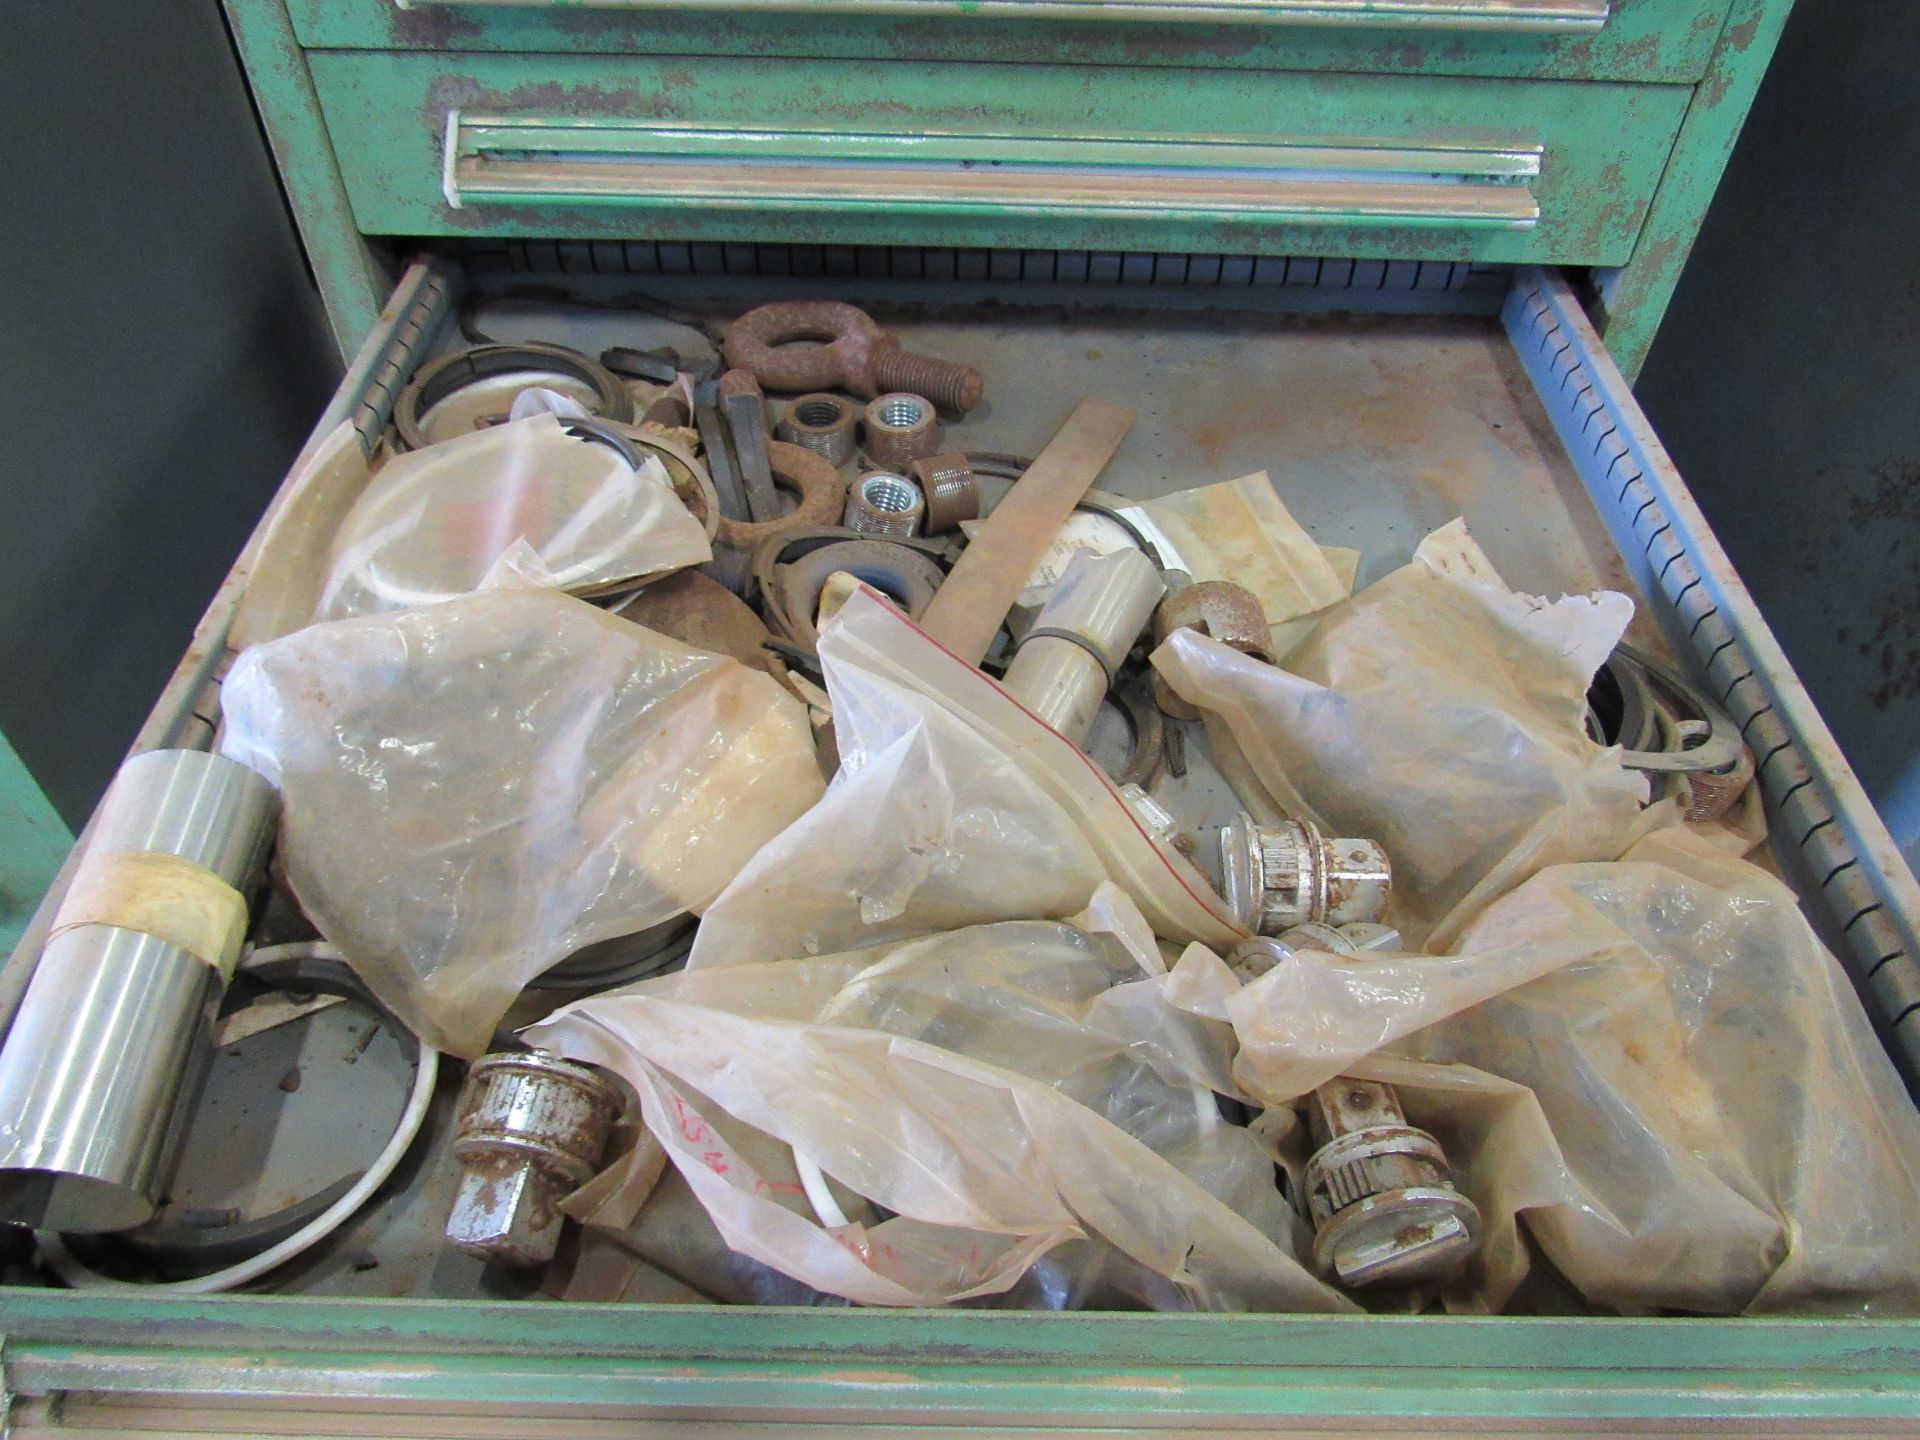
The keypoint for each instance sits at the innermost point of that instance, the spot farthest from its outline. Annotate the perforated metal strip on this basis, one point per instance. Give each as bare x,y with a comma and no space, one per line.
380,371
1010,267
1815,804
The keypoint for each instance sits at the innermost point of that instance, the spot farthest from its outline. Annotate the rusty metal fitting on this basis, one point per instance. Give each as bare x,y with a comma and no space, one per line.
899,429
1712,793
813,478
823,423
1220,610
1380,1193
883,503
799,345
532,1130
1275,877
953,494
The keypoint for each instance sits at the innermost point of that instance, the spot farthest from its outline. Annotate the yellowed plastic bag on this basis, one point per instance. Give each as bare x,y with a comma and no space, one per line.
983,1086
476,789
1439,713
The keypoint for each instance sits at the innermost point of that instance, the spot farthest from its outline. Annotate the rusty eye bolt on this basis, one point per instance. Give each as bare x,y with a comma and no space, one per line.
797,345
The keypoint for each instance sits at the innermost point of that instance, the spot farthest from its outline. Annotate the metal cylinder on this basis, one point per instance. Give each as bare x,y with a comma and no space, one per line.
110,1036
1380,1193
532,1131
883,503
953,494
1276,877
900,428
1069,657
825,424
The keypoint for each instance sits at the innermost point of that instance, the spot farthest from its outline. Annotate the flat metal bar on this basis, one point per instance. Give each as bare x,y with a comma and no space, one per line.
1820,813
1505,16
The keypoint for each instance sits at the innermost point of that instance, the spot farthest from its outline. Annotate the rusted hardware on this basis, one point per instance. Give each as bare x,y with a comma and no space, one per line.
1219,609
441,378
882,502
798,345
1275,877
823,423
670,410
953,494
1712,793
745,411
792,568
1380,1193
693,608
899,429
821,490
532,1130
1072,655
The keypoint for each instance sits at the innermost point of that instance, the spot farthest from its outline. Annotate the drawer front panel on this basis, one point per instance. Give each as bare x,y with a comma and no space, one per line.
1004,155
1651,40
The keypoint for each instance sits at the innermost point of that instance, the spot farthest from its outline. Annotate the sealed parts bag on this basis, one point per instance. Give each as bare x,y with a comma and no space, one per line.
474,790
953,806
1439,713
1007,1092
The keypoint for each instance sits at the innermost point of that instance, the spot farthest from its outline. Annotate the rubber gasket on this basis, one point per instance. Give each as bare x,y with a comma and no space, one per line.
438,379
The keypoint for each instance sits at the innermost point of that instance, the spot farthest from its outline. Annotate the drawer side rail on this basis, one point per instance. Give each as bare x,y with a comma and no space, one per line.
1821,819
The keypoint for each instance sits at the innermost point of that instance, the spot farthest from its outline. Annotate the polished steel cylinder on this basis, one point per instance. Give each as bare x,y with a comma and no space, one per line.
109,1040
1067,661
111,1033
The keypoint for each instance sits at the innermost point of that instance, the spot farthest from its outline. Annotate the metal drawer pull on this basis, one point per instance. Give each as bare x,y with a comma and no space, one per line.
615,162
1522,16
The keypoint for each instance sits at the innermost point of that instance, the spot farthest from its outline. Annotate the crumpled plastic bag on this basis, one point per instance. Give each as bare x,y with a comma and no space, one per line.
1738,1139
953,806
432,522
1439,713
476,789
992,1088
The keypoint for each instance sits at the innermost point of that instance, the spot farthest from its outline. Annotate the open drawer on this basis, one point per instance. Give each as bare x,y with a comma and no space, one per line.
1478,392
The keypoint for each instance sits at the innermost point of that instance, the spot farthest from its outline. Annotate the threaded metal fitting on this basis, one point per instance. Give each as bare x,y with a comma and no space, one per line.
1278,876
901,429
884,503
952,492
825,424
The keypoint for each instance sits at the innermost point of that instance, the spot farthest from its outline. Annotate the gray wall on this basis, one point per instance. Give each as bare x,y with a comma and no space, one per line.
1786,380
162,353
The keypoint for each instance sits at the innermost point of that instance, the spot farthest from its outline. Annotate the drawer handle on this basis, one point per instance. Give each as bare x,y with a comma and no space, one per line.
623,162
1521,16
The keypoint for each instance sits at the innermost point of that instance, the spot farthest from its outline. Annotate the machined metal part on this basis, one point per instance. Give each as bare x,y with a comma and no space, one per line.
435,381
825,424
883,502
1275,877
1380,1192
1712,793
110,1037
818,485
792,569
898,429
1219,609
798,345
1072,655
660,366
745,411
532,1130
953,494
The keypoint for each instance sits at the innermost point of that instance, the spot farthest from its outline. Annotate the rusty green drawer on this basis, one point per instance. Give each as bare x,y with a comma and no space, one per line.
1648,40
850,152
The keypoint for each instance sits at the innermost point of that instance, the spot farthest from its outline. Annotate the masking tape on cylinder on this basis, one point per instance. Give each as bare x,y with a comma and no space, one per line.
165,896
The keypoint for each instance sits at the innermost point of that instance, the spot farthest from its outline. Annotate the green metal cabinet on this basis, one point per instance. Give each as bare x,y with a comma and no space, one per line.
1442,158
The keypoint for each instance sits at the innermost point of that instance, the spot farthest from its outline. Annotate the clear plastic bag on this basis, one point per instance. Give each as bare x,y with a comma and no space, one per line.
1439,713
982,1086
431,523
953,806
474,790
1736,1138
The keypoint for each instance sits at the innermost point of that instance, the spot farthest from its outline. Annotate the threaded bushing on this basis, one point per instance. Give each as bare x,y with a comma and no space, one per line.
953,387
900,429
884,503
952,492
823,423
